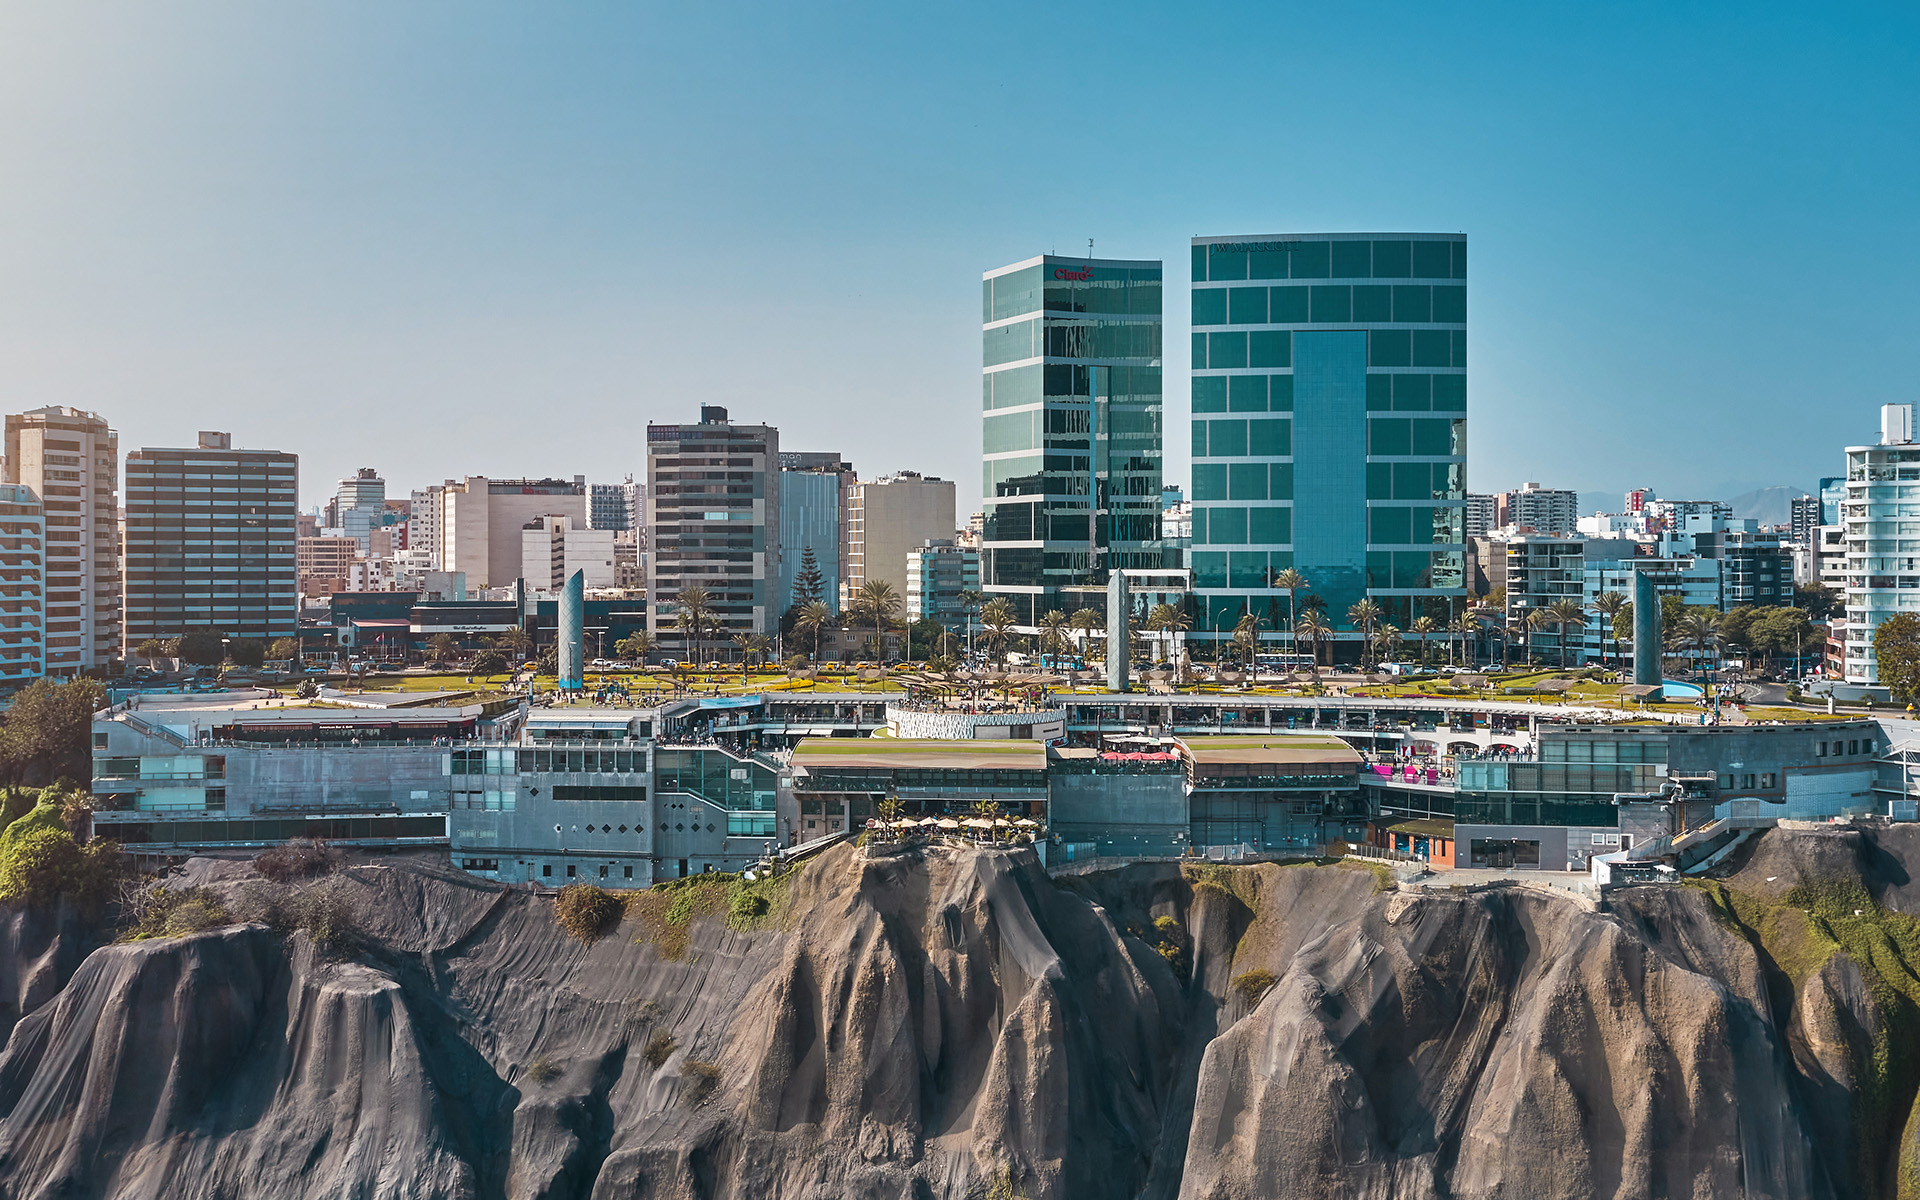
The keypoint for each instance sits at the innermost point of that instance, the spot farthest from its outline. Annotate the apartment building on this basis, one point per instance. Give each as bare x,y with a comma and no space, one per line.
71,461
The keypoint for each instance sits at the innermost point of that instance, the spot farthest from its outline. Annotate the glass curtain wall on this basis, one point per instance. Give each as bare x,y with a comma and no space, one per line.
1071,433
1329,427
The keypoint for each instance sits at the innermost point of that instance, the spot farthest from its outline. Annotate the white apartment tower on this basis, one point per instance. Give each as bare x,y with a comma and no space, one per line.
1883,564
71,461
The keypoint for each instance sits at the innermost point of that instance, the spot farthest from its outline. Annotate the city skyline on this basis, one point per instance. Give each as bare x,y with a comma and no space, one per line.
426,227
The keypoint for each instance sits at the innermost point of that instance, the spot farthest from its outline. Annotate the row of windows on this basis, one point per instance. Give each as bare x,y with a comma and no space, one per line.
1392,436
1385,348
1267,526
1274,393
1242,481
1039,381
1330,303
1066,338
1235,437
1330,260
1416,481
1065,429
1133,290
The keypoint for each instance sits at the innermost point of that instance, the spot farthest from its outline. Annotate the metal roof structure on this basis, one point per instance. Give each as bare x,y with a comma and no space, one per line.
889,754
1269,748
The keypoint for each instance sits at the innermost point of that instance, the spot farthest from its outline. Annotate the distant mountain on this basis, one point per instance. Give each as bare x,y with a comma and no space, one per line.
1767,505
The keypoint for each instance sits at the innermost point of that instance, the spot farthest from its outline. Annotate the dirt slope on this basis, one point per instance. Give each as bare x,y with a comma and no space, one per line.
946,1024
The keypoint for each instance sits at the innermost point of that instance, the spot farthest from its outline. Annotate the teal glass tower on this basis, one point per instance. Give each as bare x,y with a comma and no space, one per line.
1071,434
1329,426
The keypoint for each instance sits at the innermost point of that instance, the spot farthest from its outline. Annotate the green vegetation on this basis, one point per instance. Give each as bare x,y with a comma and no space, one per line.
541,1070
1254,985
1796,936
666,911
1896,644
703,1079
586,911
155,910
659,1048
41,864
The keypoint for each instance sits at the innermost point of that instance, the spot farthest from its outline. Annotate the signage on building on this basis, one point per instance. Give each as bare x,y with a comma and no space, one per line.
1070,273
1253,247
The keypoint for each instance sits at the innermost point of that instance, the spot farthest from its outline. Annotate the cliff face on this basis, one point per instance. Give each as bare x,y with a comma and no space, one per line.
947,1024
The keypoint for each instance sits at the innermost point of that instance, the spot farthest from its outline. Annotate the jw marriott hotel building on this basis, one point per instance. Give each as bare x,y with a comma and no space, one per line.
1071,463
1329,425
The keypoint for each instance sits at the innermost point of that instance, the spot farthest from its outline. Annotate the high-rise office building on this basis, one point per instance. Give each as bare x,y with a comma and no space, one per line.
22,596
713,519
613,506
359,507
480,521
1071,435
887,519
210,541
1329,424
1883,568
1833,490
71,460
811,503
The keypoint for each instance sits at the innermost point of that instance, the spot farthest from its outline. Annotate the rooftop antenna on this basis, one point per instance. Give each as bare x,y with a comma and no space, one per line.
1089,247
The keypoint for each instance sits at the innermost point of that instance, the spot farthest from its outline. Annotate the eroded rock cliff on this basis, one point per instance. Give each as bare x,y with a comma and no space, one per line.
948,1023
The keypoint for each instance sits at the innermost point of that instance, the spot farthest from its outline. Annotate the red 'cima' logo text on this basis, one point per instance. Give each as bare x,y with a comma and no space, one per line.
1070,273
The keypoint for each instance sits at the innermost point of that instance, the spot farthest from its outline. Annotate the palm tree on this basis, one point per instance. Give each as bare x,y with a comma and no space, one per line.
813,618
1426,627
1291,581
999,620
695,617
1464,626
1386,639
878,602
1246,635
1365,615
1536,619
1567,612
635,646
1608,605
1086,622
1168,619
1315,629
1053,627
1697,626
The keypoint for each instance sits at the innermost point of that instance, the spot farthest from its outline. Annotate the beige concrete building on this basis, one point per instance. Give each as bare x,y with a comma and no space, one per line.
323,562
887,519
480,522
553,548
71,460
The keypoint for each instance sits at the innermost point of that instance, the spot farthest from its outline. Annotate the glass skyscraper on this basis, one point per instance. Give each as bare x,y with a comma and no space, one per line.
1071,441
1329,425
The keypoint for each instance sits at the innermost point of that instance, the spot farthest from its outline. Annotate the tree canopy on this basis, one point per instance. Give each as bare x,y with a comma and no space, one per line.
202,647
1896,644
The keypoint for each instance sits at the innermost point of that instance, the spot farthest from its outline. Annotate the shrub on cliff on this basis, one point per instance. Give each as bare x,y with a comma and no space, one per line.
156,910
327,912
586,911
296,859
41,864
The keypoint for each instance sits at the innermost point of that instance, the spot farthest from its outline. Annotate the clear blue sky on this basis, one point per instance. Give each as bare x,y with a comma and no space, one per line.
451,238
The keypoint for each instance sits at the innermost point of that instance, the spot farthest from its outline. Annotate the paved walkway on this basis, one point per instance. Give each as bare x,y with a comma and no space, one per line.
1578,882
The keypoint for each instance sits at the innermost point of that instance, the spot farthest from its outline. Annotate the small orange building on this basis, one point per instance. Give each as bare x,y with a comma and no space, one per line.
1429,839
